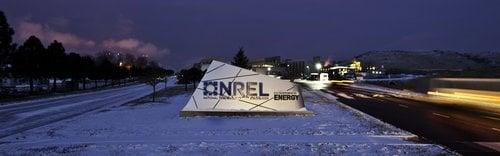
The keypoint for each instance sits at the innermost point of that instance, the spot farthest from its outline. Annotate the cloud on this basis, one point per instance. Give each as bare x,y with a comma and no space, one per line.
47,35
135,46
74,43
125,44
81,45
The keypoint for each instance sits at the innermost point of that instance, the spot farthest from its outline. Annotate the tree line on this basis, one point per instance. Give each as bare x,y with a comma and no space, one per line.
32,61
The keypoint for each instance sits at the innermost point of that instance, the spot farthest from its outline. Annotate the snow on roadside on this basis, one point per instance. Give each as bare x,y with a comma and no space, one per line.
53,109
403,78
156,128
57,97
396,92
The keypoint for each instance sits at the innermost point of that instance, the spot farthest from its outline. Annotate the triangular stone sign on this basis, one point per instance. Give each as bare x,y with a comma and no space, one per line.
229,90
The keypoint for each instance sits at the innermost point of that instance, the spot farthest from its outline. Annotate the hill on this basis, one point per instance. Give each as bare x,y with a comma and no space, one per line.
430,60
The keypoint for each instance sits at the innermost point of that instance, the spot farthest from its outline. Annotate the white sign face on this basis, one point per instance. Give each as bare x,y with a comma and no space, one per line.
229,89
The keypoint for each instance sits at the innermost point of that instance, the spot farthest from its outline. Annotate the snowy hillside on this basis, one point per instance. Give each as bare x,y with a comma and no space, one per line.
430,60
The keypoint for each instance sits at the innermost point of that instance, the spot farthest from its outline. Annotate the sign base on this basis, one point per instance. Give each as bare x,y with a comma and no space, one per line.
243,113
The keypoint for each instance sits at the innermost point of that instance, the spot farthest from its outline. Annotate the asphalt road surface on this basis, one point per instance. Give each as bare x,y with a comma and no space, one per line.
21,116
467,131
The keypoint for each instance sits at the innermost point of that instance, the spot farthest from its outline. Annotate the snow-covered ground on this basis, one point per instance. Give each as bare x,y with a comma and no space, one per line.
155,128
395,92
20,116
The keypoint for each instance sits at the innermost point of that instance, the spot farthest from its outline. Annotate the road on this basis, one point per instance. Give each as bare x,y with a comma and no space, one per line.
22,116
466,131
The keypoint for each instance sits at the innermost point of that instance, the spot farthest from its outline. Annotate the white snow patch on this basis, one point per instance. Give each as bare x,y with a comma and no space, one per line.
52,109
362,96
345,95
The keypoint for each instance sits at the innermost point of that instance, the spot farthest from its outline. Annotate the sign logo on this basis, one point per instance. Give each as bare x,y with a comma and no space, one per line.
242,90
233,88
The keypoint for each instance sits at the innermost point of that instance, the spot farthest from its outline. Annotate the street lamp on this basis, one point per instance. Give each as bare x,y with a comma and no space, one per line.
318,66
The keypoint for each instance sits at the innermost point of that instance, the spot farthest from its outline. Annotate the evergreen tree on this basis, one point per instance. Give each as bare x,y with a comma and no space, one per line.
88,69
55,61
6,46
74,69
104,69
240,59
194,76
27,61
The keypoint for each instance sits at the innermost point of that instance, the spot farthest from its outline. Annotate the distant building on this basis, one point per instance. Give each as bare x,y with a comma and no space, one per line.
374,72
266,69
297,69
204,63
348,71
275,66
341,72
317,59
315,65
268,66
275,60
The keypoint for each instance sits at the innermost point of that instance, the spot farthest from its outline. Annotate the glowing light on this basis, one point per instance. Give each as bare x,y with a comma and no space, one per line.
468,94
318,66
342,81
315,85
356,65
469,80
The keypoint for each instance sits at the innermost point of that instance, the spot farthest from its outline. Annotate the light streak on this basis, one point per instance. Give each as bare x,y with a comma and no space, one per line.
468,79
468,94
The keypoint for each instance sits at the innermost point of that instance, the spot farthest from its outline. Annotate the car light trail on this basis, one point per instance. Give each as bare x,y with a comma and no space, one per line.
468,94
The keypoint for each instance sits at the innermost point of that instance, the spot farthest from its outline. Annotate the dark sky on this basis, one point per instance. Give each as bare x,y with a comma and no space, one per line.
179,32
